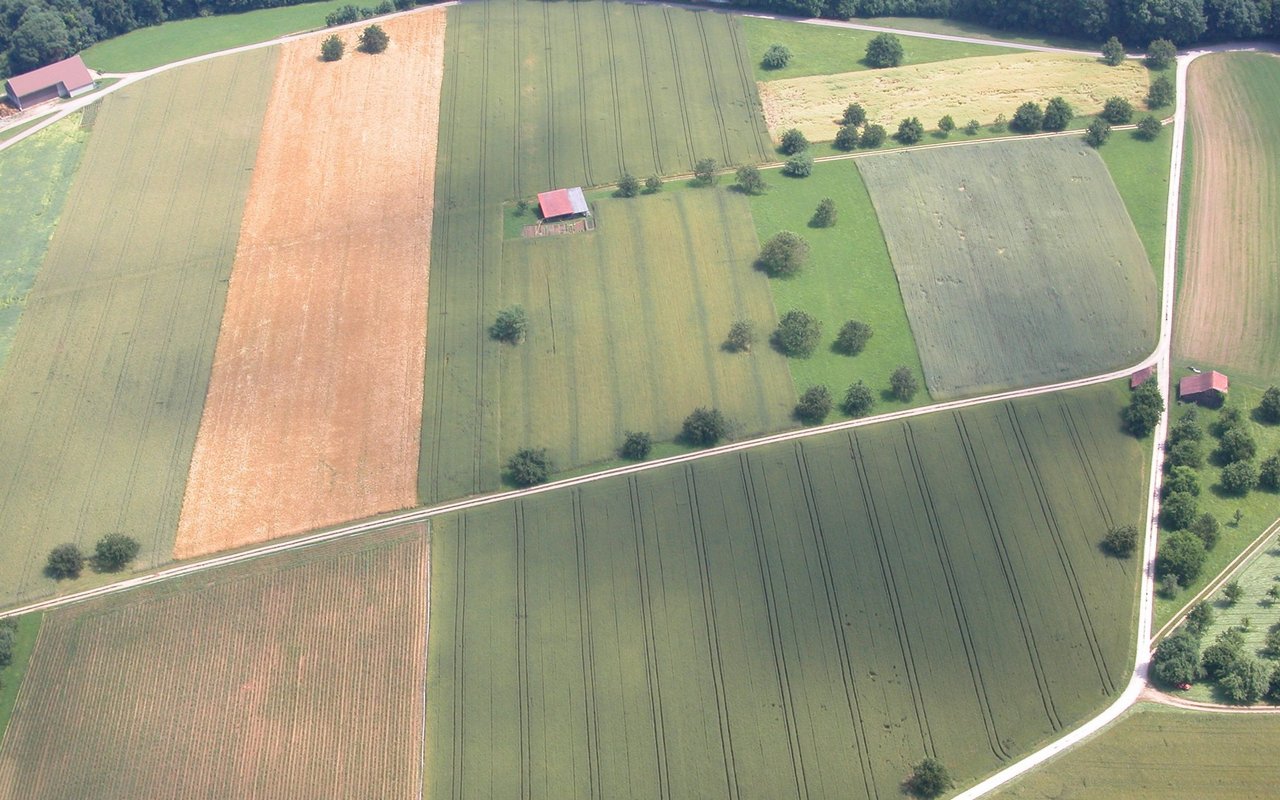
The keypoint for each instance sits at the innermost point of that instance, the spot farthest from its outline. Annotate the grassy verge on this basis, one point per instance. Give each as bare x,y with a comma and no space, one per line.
12,675
973,30
1140,171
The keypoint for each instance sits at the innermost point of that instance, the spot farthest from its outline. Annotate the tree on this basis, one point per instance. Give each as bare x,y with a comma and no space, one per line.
946,125
749,180
1178,510
1057,115
1237,444
1161,53
846,137
872,136
40,38
1186,428
1236,517
331,48
628,185
704,172
1160,93
1246,680
884,50
853,337
783,255
113,551
1121,540
1182,479
65,561
1149,128
971,127
653,184
824,216
1218,658
858,400
1233,591
1144,409
1269,407
511,326
928,779
903,384
1097,133
8,638
374,39
1271,644
776,57
910,130
636,445
1027,119
854,114
1186,453
529,466
798,166
1231,417
742,334
797,334
1168,586
1207,529
1269,473
1181,555
1199,618
1239,478
792,142
1176,660
815,405
342,15
704,427
1117,111
1112,52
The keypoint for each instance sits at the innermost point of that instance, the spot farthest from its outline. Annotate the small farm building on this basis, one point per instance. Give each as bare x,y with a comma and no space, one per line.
563,203
1140,377
66,78
1206,387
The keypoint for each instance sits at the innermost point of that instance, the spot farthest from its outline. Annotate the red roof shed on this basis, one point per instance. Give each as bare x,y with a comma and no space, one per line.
1206,385
1140,377
66,78
562,203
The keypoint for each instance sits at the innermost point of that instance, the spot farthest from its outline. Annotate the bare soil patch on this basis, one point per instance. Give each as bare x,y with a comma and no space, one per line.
315,401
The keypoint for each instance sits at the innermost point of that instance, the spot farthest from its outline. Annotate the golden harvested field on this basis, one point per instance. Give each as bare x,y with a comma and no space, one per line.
306,680
971,88
315,401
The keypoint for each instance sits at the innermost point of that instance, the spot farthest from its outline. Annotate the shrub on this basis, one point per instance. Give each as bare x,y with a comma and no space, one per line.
742,334
1160,93
783,255
824,216
1269,473
776,57
65,561
872,137
1121,540
1057,115
1112,52
853,337
1117,111
910,130
999,123
928,779
636,445
749,180
846,138
374,39
1176,660
1181,555
1149,128
885,50
1097,133
1167,586
854,114
1207,529
331,48
1239,478
628,186
903,384
798,166
858,400
792,142
511,326
946,125
1269,406
653,184
1027,119
529,466
815,405
971,127
704,427
1161,53
1178,510
704,172
798,334
114,551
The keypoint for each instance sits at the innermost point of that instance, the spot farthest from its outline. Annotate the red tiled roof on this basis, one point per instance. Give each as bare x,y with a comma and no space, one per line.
70,72
555,203
1195,384
1140,377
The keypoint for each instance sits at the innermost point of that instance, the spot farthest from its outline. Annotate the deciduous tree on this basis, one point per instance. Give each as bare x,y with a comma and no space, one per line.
1097,133
749,180
628,185
1178,510
776,57
971,127
1149,128
846,137
529,466
1112,52
903,384
1239,478
853,337
1237,444
858,400
653,184
1176,660
1207,528
742,334
929,779
704,172
854,114
374,39
704,427
1181,555
910,130
65,561
1160,92
113,551
1269,473
946,125
884,50
1182,479
511,326
798,334
1121,540
1269,407
872,136
1028,118
824,216
815,404
1144,409
1161,53
1117,111
1232,592
1057,115
792,142
331,48
783,255
636,445
799,165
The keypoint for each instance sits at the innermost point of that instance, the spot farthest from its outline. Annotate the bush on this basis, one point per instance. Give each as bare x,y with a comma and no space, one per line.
824,216
946,125
1237,444
798,334
636,445
1239,478
798,166
1160,93
1097,133
1117,111
1178,510
971,127
332,48
628,186
776,57
1269,473
858,400
114,551
1181,555
903,384
854,114
1149,128
1182,479
374,39
885,50
1027,119
853,337
910,131
511,326
749,180
529,466
1167,586
815,405
999,123
783,255
872,137
1121,540
742,334
1206,528
846,138
704,172
65,561
928,779
792,142
1176,660
1112,52
704,427
653,184
1161,53
1269,406
1057,115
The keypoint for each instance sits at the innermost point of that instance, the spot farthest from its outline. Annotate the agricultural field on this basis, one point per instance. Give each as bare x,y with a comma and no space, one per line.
316,394
655,287
1001,287
1157,751
538,96
35,176
305,680
807,617
1228,310
106,380
973,88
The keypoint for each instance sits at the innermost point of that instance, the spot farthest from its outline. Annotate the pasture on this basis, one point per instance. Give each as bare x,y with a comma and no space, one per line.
538,96
973,88
1228,309
106,379
807,617
1157,751
35,176
1002,285
1140,171
627,326
305,680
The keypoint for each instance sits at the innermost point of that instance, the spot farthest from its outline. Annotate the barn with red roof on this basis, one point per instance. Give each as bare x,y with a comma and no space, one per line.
563,203
66,78
1206,387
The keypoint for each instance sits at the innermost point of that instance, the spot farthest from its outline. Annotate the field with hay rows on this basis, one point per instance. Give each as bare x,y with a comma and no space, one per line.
804,618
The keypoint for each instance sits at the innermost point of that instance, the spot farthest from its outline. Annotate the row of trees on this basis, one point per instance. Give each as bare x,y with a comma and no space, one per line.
373,39
1241,676
112,553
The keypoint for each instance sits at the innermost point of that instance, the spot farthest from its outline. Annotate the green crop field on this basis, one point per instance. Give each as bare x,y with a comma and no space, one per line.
538,96
807,617
11,676
1156,751
1140,171
1017,260
106,379
35,176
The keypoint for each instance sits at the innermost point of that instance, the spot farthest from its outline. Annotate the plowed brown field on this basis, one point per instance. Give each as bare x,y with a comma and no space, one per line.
315,401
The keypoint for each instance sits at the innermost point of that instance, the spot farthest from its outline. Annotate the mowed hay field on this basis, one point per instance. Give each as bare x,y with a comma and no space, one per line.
627,326
1228,311
293,677
803,618
1157,751
106,380
316,394
1018,263
544,95
972,88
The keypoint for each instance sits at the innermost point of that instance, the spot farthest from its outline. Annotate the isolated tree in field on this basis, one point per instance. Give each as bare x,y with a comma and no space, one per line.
1178,510
628,185
853,337
1206,527
1181,555
798,334
374,39
1269,407
783,255
1057,115
999,123
653,184
1160,92
872,137
1177,659
1269,473
749,180
1149,128
113,551
1028,118
815,405
776,57
1199,618
928,779
704,427
946,125
1097,133
1144,409
65,561
792,142
1232,592
824,216
910,130
1239,478
1246,681
1121,540
332,48
903,384
742,334
1117,111
799,166
1237,444
704,172
854,114
971,127
1182,479
846,137
529,466
885,50
858,400
636,445
1112,52
1161,53
511,326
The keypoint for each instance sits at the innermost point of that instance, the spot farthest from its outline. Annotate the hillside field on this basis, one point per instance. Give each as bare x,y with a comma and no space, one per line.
807,617
1002,286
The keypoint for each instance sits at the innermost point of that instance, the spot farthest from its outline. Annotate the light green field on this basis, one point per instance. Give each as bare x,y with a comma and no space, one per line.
11,676
817,614
825,50
529,104
35,176
174,41
1140,171
106,379
849,276
1002,284
1157,751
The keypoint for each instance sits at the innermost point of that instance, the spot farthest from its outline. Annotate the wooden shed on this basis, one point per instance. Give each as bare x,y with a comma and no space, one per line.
66,78
1206,387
